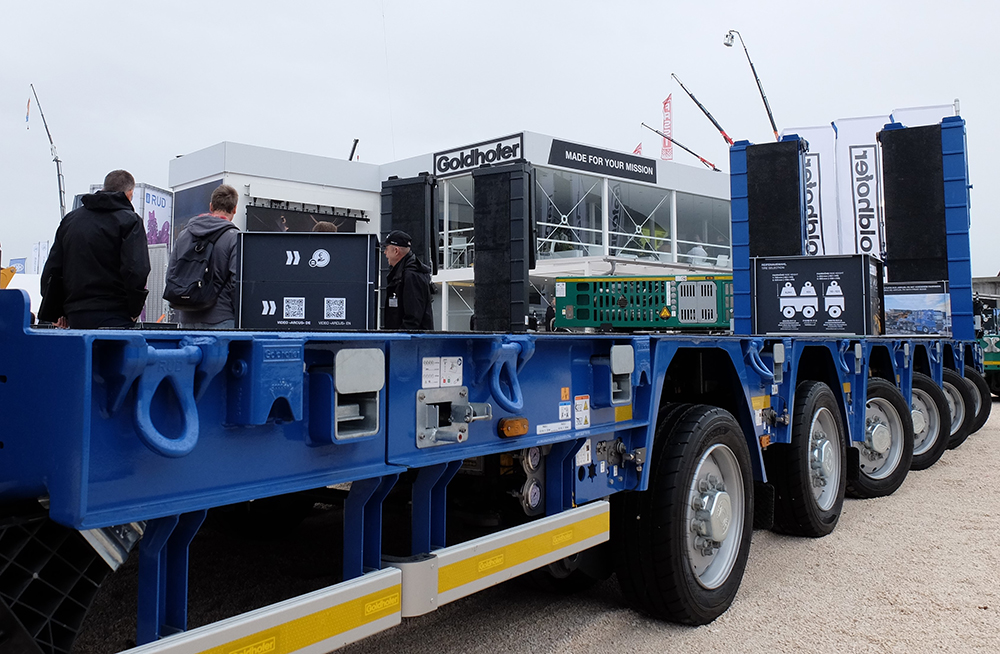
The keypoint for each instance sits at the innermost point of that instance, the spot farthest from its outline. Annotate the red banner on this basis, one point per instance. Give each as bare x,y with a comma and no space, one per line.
667,152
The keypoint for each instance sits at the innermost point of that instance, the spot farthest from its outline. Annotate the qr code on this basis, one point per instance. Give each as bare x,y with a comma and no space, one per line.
295,308
335,308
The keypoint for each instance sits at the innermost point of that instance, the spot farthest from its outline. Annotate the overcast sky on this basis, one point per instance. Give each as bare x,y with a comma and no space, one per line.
131,85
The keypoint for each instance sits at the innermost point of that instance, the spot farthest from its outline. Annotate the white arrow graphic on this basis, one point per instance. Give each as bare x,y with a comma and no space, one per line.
269,307
292,257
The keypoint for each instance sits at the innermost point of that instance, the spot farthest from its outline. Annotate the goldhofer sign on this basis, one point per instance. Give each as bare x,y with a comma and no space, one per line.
466,158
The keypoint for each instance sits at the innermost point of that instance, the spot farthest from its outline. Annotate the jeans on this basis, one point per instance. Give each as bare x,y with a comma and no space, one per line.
225,324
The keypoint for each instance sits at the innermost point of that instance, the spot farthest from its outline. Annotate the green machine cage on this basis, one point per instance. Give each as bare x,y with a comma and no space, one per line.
677,303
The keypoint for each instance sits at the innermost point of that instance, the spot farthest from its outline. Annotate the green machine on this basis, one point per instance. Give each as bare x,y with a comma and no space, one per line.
677,302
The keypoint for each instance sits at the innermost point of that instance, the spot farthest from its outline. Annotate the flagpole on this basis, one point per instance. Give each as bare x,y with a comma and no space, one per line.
55,156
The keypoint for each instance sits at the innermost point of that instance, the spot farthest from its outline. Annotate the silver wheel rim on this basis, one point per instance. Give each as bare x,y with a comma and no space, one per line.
955,404
924,440
879,412
717,474
824,458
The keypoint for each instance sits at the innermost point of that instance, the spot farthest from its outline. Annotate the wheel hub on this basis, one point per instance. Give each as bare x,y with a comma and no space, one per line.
823,458
714,512
919,420
878,437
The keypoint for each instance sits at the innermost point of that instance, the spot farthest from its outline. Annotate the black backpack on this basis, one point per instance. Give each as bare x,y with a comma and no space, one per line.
190,285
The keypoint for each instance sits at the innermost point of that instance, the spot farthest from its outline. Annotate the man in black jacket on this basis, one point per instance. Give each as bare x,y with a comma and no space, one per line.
96,272
408,288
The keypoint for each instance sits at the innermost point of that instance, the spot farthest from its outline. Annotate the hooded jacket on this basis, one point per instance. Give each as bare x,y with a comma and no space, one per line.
224,264
408,295
99,260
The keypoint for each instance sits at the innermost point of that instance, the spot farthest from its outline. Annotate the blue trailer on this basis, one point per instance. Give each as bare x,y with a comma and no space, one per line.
649,455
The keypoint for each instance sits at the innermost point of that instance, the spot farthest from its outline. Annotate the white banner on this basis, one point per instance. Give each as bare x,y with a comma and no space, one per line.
822,226
919,116
667,152
859,185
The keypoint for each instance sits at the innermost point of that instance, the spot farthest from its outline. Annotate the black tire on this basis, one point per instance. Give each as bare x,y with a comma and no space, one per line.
887,451
960,402
930,412
700,488
575,573
983,398
993,380
810,473
624,513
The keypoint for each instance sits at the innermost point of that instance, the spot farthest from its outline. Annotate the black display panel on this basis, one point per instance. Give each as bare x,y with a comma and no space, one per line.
504,246
775,199
818,295
916,244
307,282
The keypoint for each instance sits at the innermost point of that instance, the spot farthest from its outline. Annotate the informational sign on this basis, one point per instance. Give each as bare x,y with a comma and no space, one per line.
602,162
465,159
19,265
308,282
811,295
915,308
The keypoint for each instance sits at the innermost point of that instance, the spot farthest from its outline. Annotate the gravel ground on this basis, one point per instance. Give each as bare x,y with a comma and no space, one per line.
915,572
918,571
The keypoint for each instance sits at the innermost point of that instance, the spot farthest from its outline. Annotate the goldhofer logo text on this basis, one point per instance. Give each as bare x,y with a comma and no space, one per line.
263,647
562,537
490,563
382,603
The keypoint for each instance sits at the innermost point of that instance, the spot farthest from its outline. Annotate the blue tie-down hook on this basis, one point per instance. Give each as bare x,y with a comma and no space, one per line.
177,366
502,357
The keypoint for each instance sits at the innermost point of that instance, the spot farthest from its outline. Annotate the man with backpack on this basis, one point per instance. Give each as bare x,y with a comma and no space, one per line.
201,277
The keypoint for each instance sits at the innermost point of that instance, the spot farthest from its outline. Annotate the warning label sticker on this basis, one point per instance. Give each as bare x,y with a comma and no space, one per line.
581,405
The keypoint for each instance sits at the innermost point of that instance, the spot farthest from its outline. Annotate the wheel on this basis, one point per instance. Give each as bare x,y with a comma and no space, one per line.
993,379
835,311
809,474
809,311
788,312
687,538
887,451
574,573
982,398
931,422
961,401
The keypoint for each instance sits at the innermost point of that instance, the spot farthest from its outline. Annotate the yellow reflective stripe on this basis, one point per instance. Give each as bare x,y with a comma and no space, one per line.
478,566
760,402
623,413
315,627
847,387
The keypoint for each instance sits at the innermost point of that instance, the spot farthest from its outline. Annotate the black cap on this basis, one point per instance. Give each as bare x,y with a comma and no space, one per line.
396,237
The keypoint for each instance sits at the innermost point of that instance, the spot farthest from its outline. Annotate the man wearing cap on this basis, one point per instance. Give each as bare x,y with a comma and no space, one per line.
408,288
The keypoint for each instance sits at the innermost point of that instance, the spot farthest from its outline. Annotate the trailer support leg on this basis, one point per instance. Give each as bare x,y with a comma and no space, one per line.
558,477
430,495
363,525
163,575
